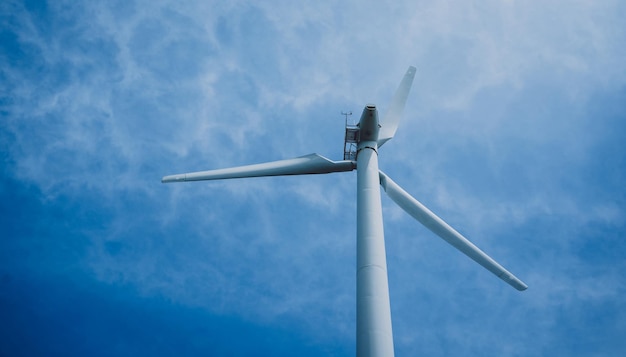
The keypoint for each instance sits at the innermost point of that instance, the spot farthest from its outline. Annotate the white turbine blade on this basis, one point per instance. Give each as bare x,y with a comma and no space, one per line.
309,164
443,230
390,121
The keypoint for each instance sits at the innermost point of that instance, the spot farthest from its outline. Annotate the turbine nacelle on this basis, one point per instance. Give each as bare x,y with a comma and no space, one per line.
368,124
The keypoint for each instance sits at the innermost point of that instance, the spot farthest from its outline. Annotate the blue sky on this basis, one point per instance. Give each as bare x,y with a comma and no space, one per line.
513,133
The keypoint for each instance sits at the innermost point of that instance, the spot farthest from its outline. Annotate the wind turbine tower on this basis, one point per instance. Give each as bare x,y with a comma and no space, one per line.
374,332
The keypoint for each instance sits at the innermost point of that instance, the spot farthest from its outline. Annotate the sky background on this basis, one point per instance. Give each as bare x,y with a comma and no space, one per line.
514,133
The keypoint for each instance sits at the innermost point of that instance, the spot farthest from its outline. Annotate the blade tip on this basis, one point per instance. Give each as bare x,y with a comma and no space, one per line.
513,281
173,178
518,284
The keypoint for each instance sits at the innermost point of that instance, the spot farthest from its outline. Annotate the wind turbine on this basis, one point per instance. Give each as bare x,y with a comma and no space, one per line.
374,333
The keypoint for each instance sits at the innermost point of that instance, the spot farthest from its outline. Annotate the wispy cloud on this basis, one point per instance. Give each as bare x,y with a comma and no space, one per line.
513,134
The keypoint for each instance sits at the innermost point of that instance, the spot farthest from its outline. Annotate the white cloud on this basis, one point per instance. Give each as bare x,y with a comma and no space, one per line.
498,136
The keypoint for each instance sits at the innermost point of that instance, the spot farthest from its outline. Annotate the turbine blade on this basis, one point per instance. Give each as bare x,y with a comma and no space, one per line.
447,233
309,164
390,121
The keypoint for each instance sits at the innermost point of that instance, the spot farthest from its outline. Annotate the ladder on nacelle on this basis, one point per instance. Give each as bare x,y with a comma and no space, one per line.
351,139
